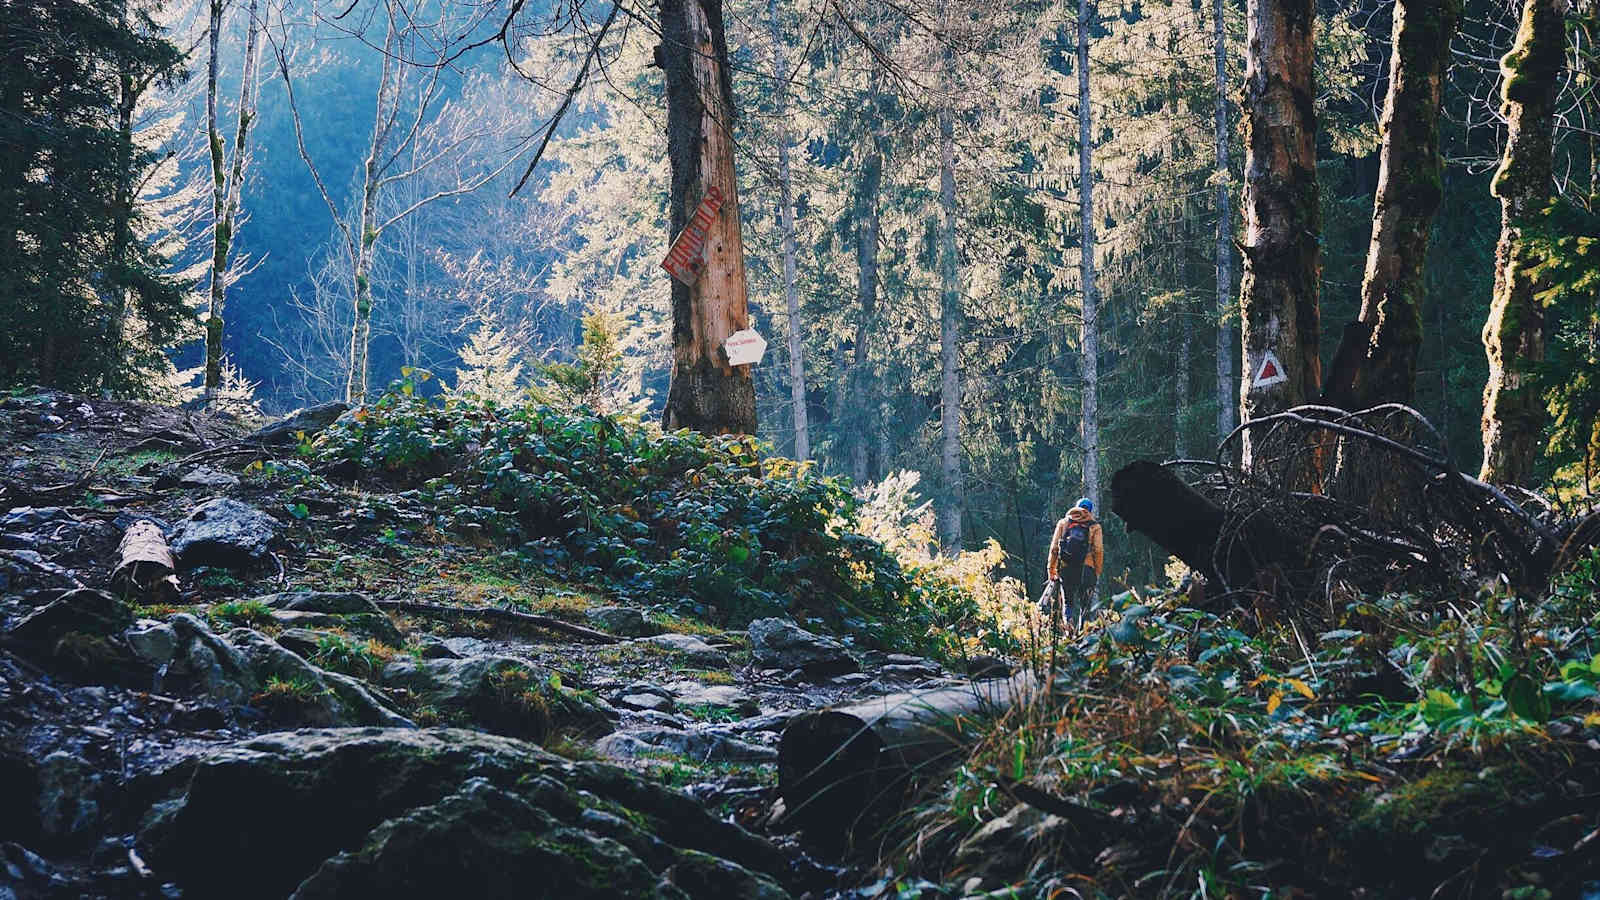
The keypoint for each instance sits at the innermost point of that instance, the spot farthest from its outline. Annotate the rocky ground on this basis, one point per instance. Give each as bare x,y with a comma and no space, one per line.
330,698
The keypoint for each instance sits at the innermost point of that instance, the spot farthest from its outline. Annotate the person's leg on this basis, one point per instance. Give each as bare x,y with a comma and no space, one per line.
1087,580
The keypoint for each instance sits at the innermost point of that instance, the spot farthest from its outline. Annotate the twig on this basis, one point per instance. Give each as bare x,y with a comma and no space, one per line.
494,614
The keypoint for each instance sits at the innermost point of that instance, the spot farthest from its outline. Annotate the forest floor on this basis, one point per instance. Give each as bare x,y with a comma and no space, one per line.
274,724
277,623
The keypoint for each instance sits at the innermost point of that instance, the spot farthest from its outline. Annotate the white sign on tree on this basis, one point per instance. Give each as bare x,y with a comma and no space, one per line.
745,348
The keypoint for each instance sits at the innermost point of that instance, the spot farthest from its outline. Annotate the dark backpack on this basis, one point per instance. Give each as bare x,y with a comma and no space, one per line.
1074,547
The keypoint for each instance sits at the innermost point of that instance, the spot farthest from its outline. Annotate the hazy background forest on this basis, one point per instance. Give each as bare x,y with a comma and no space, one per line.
839,106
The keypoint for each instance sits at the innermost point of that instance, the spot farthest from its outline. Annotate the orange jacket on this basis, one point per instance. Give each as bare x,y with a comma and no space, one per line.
1097,551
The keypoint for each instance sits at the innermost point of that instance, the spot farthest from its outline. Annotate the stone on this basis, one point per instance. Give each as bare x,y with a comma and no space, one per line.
211,663
207,477
223,533
152,642
699,744
650,718
645,702
623,620
694,651
433,648
781,644
68,810
502,694
438,812
33,518
307,421
772,723
85,611
333,698
336,603
693,693
303,641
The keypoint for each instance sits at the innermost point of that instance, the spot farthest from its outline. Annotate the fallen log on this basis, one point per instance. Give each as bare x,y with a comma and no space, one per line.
495,614
841,767
1155,502
144,563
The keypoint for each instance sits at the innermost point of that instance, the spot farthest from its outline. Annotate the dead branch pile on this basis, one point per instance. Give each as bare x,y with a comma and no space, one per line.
1331,501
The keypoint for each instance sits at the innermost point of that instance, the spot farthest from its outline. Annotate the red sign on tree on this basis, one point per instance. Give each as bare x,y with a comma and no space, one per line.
685,258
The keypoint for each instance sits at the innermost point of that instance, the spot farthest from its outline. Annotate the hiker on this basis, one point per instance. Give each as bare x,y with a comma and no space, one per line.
1077,553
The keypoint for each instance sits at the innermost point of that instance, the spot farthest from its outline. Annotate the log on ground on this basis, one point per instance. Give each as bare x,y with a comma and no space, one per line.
144,563
841,767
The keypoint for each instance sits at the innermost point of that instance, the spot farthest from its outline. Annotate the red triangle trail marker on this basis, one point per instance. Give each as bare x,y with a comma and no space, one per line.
1270,372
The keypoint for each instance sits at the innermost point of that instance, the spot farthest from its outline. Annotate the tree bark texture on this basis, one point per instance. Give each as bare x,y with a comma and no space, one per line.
706,394
364,242
951,511
1282,221
227,177
860,432
1513,411
1227,418
791,299
1379,365
846,766
1090,329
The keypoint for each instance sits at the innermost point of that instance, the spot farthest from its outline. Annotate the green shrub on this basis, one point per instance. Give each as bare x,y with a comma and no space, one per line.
680,518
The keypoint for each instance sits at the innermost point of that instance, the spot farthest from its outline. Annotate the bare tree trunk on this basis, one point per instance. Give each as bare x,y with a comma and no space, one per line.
226,180
791,299
1513,414
860,432
1226,383
1090,330
950,511
365,239
1278,293
1377,359
706,394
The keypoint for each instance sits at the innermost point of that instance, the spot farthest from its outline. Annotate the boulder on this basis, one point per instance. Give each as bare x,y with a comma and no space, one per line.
350,611
210,663
308,421
623,620
431,812
152,642
693,693
223,533
694,651
654,702
207,477
84,611
33,518
320,697
433,648
781,644
499,693
703,745
69,812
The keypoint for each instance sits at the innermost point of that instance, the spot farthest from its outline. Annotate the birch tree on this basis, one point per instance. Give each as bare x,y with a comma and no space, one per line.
791,299
227,175
1090,327
416,134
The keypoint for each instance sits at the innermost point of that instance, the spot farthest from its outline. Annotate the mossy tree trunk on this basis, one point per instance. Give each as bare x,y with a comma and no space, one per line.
1514,338
1282,221
227,177
706,394
1377,358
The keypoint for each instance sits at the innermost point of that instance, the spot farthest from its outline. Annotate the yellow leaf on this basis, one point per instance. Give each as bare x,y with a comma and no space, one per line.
1302,688
1274,702
1591,720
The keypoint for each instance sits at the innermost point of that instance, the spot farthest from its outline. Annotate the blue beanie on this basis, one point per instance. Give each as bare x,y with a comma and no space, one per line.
1086,503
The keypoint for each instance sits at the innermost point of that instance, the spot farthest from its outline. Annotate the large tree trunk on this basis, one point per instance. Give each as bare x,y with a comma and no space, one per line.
706,394
849,766
1090,329
226,182
1513,412
950,511
859,431
1226,385
791,299
1278,293
1377,359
